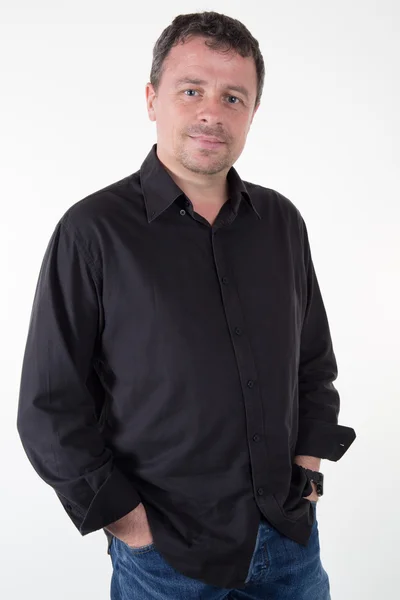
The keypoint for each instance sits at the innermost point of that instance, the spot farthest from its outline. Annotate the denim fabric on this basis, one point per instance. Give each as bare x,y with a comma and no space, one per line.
280,569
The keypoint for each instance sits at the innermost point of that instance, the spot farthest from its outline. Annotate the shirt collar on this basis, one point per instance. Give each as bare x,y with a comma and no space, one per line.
160,190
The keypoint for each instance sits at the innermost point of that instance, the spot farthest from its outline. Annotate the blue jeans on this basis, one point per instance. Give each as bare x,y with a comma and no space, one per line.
280,569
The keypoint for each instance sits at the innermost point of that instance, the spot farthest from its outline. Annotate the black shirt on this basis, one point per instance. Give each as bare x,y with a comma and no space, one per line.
183,365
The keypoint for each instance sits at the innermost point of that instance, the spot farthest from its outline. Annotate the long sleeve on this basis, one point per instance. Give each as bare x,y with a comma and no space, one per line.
57,416
319,433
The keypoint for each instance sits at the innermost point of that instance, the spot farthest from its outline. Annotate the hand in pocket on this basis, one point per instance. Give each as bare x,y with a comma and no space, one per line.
133,529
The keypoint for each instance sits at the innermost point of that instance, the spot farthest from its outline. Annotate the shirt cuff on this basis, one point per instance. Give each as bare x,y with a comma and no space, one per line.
115,499
322,439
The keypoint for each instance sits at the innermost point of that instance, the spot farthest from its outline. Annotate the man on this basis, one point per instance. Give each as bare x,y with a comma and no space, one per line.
176,389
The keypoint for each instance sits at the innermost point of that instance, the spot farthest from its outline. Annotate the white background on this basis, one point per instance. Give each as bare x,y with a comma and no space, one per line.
74,119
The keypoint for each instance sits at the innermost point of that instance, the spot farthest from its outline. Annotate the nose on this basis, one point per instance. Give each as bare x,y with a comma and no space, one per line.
210,111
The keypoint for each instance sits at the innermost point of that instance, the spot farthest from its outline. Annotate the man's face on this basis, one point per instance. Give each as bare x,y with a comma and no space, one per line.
198,96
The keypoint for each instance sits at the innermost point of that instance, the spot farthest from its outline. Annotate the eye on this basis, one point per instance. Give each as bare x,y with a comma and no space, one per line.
189,91
236,98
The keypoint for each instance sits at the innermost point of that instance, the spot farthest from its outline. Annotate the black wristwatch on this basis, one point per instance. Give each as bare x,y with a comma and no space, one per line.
317,478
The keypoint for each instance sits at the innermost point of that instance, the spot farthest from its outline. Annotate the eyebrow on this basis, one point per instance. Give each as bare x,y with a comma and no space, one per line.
235,88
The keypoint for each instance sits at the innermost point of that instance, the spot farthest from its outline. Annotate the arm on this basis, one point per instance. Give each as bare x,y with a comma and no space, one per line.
57,406
319,435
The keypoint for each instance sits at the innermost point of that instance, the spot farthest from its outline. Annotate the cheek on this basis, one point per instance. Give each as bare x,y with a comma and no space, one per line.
238,133
168,112
179,118
169,124
243,129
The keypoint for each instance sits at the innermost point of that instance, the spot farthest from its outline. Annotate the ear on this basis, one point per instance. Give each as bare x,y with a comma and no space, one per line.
150,101
254,112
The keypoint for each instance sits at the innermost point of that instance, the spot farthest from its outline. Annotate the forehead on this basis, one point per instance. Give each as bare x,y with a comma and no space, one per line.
194,57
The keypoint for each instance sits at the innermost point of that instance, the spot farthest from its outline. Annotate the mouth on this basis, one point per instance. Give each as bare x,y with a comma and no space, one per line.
207,141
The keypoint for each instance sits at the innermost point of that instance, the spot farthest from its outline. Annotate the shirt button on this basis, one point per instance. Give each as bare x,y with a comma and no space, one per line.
238,331
225,280
182,212
250,383
260,491
256,437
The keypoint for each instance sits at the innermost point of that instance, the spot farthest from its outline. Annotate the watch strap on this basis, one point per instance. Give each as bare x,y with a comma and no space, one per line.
318,478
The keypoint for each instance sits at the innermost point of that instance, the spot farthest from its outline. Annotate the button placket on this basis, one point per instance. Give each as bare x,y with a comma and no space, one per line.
245,362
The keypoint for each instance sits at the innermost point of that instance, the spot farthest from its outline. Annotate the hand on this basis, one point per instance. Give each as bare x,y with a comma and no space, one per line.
132,529
313,463
314,496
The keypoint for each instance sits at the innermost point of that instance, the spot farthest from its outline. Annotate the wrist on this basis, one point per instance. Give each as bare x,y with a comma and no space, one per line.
126,523
308,462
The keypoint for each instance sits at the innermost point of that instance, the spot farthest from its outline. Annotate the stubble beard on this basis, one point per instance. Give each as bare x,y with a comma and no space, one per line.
215,160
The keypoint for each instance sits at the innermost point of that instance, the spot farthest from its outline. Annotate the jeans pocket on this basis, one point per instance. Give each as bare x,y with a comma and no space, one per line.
139,549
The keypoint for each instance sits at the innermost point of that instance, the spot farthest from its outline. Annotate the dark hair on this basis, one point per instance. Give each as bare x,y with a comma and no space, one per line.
223,33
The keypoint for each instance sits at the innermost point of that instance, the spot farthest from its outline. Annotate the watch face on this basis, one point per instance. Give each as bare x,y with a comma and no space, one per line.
320,485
